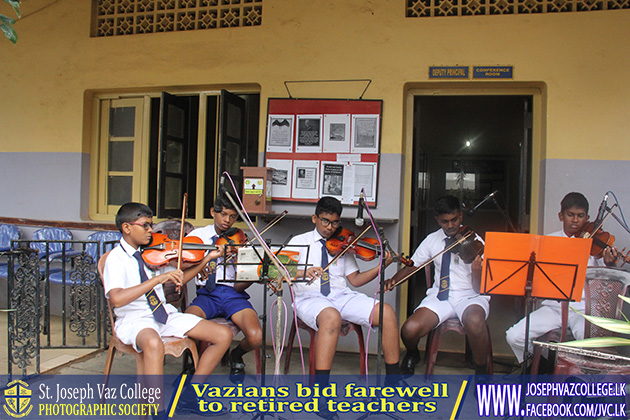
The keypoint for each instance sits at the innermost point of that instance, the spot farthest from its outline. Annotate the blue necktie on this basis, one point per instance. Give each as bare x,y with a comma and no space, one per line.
445,274
324,281
212,275
159,313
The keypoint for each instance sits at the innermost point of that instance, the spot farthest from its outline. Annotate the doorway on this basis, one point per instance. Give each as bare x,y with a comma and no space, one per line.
479,149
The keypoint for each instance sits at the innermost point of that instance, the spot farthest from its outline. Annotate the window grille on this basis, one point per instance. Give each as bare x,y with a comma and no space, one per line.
129,17
438,8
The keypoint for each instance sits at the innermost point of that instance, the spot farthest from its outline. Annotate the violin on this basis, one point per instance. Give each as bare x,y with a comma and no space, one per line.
601,241
469,248
162,250
231,237
365,249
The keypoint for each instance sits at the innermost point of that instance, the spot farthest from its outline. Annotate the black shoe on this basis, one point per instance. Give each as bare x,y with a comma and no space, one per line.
190,406
408,364
237,371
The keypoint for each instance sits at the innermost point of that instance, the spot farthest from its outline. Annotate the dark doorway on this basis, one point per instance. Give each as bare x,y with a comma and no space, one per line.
470,147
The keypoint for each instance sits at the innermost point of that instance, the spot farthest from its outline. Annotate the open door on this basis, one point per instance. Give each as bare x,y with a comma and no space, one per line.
176,136
232,138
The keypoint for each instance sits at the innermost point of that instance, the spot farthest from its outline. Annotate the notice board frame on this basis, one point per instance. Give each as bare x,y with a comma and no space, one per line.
323,147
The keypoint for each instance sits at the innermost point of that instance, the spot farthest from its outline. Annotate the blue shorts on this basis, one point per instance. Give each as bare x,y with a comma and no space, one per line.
223,301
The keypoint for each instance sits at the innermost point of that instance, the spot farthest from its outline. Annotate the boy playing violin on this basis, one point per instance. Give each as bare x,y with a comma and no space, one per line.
226,299
455,291
142,315
326,299
574,217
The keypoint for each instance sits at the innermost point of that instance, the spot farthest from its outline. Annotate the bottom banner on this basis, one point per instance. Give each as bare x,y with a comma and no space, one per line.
299,397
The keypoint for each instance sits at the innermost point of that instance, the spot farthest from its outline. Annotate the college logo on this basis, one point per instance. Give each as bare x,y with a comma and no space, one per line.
17,397
325,276
212,267
153,301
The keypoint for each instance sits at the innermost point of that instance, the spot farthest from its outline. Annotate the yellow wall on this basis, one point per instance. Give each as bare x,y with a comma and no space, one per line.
584,59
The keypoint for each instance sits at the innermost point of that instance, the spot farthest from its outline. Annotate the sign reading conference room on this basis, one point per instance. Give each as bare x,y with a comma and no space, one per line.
478,72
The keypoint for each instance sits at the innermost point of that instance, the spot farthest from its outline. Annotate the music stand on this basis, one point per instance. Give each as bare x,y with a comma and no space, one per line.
253,265
534,266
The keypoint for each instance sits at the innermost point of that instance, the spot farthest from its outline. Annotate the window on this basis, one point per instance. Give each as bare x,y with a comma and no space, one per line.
155,147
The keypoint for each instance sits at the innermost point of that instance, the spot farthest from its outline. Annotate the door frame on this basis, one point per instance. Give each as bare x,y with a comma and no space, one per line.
538,92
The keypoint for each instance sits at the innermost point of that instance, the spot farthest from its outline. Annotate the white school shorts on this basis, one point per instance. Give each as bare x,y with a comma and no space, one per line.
353,306
177,325
453,307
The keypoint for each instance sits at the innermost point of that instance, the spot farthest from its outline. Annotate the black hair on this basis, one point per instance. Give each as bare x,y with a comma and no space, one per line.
130,212
446,204
328,205
222,202
574,199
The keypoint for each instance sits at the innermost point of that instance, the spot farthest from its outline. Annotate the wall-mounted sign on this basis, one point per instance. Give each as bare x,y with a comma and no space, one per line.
493,72
448,72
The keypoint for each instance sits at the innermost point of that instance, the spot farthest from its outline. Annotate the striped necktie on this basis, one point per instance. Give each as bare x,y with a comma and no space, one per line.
445,273
159,313
324,281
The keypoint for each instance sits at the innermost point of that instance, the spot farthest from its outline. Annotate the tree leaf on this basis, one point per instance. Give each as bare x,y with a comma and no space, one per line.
7,20
9,32
16,6
597,342
625,299
614,325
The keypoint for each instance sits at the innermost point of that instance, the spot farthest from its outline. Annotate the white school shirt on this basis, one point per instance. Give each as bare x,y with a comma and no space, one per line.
337,272
122,271
206,233
460,272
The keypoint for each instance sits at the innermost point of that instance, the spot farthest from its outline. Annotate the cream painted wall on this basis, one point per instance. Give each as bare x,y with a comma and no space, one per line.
582,57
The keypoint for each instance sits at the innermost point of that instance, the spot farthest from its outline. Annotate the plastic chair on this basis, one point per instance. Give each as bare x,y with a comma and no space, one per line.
453,324
7,234
602,287
174,346
106,242
55,249
346,327
172,227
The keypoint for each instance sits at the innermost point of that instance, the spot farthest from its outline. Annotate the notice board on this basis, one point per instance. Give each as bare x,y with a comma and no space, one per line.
323,147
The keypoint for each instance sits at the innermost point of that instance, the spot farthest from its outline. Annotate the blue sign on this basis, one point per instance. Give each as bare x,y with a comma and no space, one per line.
493,72
449,72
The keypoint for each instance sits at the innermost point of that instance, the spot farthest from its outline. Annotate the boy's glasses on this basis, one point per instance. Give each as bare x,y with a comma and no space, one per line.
326,222
145,225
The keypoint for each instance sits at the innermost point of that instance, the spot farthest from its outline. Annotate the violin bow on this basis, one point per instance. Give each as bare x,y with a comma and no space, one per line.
612,209
279,266
265,229
270,254
430,260
181,239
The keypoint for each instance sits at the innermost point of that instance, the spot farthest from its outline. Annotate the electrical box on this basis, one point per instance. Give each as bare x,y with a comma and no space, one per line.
257,189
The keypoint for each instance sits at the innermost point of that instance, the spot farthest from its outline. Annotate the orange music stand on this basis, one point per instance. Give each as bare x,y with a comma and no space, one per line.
534,266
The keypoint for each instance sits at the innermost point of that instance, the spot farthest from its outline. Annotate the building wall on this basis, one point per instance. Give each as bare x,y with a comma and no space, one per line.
582,58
